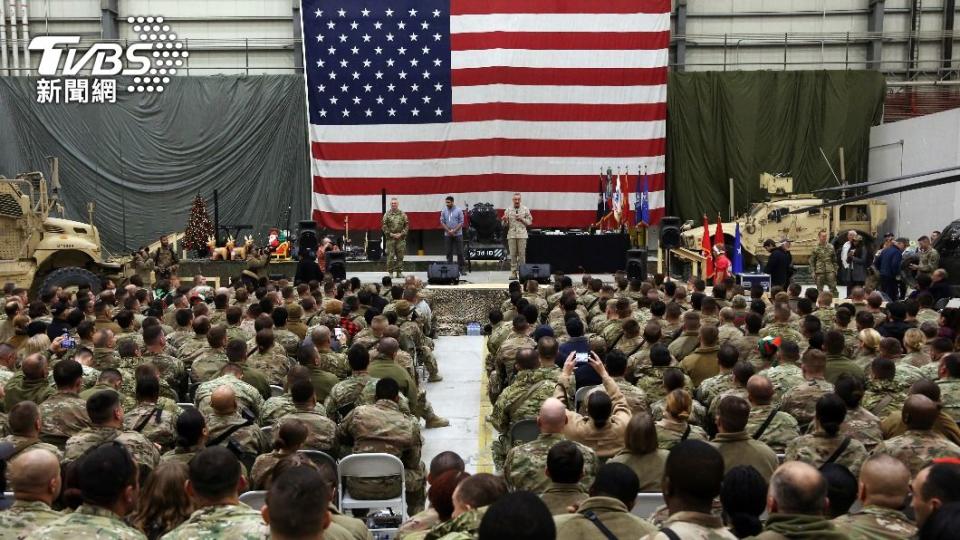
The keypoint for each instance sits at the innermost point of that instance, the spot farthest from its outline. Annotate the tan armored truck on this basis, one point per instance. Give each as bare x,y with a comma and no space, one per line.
773,219
39,251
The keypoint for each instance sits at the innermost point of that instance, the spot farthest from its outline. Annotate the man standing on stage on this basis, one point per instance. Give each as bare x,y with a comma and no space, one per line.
395,228
517,219
165,259
823,265
451,219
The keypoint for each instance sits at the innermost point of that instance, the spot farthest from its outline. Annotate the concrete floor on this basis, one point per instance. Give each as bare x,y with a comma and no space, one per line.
458,398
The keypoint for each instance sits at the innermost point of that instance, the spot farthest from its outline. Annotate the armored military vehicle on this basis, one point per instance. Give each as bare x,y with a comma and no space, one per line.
797,218
40,251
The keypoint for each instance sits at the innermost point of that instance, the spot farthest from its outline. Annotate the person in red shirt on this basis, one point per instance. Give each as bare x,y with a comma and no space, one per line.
721,265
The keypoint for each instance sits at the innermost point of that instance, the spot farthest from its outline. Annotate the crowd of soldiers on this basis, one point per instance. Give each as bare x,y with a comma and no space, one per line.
170,371
147,410
789,383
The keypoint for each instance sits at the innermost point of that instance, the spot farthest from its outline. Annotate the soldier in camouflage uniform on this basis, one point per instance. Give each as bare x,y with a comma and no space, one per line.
64,414
381,427
466,526
524,465
801,401
521,400
171,368
35,475
825,310
781,326
779,428
395,229
949,383
28,384
91,520
641,358
192,347
501,369
884,395
149,417
269,358
928,258
282,336
322,431
884,480
345,394
785,374
689,340
823,265
165,259
24,431
712,387
228,428
212,359
234,329
106,415
826,440
182,330
919,445
650,378
219,515
423,346
232,374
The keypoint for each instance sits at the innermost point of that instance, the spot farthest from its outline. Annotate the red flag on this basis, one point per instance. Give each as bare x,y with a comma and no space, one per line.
718,237
705,247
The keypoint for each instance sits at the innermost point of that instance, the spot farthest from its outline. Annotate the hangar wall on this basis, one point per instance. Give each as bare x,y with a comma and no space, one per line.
916,145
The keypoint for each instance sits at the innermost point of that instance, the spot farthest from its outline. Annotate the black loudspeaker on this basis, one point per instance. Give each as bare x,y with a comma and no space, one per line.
637,264
337,264
374,249
670,232
538,272
307,239
443,274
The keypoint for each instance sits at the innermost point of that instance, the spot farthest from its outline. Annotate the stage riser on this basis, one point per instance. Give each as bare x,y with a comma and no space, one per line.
225,270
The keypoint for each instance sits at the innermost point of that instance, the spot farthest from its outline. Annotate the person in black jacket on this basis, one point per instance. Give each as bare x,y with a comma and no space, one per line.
778,264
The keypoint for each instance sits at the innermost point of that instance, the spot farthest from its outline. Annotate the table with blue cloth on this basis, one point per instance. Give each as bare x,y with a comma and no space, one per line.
579,253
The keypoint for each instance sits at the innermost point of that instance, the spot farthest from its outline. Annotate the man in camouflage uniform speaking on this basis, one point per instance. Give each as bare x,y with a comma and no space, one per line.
823,265
395,229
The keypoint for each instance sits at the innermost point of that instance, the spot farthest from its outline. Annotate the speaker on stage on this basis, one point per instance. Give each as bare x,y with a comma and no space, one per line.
637,264
670,232
538,272
443,274
374,249
337,264
307,238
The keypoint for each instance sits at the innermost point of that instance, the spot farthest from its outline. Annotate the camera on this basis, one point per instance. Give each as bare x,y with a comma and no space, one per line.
581,358
68,342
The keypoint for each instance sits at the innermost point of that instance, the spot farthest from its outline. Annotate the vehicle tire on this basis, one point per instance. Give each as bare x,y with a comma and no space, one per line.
71,276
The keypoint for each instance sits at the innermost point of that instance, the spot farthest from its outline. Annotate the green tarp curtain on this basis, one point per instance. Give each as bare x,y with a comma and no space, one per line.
143,159
739,124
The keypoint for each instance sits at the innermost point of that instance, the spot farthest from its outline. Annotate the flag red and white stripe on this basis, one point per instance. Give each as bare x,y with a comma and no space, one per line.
544,93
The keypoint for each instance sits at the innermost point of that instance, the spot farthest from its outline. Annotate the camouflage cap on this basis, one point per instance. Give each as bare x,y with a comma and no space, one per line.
403,308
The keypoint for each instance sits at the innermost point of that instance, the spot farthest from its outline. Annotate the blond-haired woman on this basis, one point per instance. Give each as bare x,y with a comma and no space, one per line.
913,342
869,347
674,426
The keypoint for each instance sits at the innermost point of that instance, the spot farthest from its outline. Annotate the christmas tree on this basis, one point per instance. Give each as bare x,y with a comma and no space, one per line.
199,228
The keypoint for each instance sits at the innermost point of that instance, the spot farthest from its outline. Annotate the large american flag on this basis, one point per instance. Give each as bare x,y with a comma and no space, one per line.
480,99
